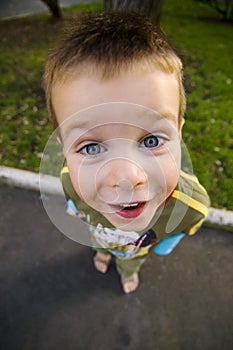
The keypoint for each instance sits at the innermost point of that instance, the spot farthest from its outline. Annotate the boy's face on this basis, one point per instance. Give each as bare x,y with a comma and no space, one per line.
123,154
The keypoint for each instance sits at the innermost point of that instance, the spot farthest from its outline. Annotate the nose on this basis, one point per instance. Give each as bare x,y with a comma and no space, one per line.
123,174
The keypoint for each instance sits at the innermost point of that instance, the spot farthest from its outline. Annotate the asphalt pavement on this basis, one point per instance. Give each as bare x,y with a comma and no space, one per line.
51,297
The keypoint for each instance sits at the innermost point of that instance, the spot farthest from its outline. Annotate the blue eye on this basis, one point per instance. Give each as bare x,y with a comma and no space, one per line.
92,149
151,141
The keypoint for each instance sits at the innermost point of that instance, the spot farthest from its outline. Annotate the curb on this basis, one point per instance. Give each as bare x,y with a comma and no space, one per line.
52,185
31,181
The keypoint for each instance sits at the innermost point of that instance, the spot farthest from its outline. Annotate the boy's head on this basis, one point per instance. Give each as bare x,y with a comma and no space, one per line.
114,88
106,46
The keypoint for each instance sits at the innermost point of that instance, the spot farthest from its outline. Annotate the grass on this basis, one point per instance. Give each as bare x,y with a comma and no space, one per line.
202,39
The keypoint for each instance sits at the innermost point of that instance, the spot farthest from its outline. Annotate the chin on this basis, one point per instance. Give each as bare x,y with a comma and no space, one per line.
131,226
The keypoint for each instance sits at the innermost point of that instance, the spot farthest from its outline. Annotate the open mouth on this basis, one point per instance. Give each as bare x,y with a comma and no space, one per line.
129,210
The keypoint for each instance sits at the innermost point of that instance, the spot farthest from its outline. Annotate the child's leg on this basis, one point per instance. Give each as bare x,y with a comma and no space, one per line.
128,270
130,283
102,260
102,257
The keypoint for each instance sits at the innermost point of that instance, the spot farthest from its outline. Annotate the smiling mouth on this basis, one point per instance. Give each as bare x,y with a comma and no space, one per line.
129,210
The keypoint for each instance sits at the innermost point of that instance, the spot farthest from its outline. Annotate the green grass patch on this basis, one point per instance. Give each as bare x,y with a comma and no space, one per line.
202,39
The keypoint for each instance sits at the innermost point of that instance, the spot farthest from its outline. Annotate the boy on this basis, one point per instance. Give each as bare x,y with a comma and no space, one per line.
114,89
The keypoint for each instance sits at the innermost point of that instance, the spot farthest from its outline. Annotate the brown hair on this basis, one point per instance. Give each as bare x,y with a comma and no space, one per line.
110,43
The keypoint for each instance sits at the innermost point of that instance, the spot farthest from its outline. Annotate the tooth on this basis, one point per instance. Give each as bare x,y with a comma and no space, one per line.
129,205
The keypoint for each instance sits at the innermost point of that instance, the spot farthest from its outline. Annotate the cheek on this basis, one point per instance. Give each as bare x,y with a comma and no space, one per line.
171,178
164,172
77,176
82,178
171,171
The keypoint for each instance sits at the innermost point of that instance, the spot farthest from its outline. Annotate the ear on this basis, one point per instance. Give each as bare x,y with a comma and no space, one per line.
180,127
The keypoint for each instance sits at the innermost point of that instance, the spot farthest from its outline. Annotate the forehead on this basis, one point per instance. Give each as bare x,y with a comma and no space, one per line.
116,119
153,89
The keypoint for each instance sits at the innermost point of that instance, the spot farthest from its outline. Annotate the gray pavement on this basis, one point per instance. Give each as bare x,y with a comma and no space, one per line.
51,297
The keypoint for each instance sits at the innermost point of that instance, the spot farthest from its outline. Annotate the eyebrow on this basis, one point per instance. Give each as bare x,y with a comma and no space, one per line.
70,128
170,116
83,125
